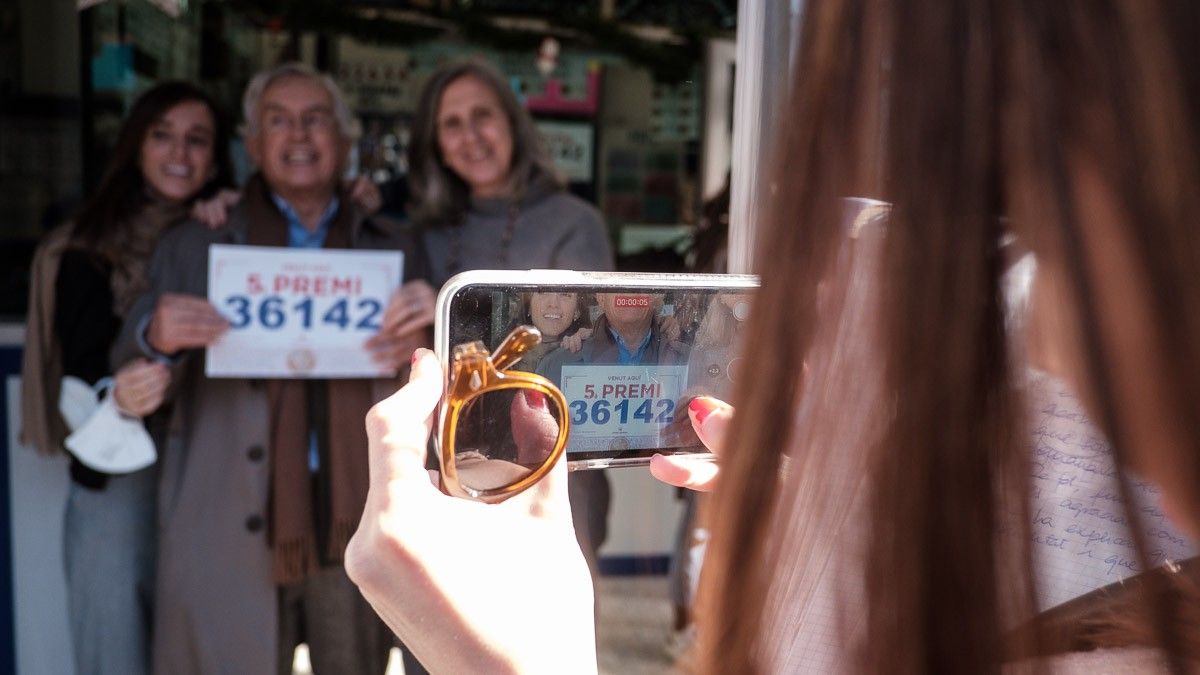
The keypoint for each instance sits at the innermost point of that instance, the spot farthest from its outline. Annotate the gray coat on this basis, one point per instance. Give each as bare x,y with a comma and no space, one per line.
216,603
553,230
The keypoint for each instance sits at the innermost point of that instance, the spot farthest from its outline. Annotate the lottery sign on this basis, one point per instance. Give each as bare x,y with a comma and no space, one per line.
296,313
621,406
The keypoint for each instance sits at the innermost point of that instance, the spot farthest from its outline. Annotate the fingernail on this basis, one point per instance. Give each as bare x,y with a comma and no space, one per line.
535,398
701,407
415,356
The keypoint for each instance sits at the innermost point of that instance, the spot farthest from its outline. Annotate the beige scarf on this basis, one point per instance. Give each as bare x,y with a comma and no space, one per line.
294,510
128,249
42,426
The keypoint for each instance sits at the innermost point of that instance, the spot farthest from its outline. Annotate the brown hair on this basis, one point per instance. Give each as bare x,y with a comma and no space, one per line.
108,224
122,190
986,108
440,197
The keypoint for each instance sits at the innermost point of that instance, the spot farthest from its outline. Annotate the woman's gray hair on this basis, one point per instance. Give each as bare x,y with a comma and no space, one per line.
439,196
348,124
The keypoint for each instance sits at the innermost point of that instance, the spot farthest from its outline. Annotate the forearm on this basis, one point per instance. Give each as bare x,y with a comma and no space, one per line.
445,637
131,343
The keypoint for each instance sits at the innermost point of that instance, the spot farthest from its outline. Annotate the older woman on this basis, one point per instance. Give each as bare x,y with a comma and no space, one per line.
486,195
485,192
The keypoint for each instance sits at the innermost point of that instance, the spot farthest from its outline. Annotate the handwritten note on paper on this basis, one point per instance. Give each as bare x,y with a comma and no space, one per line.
1081,534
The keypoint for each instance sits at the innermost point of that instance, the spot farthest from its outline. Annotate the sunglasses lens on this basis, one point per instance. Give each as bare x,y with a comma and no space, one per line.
503,436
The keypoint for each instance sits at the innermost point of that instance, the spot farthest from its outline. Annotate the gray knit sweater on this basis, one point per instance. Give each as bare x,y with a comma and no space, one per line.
552,230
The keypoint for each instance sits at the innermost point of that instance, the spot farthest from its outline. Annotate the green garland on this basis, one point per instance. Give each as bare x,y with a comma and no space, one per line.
669,63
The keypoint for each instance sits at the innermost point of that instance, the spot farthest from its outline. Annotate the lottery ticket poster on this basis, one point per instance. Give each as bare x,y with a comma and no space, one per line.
298,313
622,407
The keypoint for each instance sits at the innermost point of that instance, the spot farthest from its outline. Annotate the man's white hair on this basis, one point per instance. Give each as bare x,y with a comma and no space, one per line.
348,125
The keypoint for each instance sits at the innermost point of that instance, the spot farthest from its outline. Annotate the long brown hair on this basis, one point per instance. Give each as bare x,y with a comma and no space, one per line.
956,113
440,197
122,190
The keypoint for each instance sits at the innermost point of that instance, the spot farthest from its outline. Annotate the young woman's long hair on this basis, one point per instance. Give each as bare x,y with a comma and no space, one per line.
122,189
439,196
1076,122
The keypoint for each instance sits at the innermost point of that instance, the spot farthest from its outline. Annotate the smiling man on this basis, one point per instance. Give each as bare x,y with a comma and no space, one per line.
263,482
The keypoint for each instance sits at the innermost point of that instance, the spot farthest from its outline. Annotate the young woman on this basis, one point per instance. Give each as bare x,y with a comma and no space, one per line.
562,319
172,149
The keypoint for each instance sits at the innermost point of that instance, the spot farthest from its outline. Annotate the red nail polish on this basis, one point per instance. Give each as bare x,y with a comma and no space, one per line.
535,398
701,407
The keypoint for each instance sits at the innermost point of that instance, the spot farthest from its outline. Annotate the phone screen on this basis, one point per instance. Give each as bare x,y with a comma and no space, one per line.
627,359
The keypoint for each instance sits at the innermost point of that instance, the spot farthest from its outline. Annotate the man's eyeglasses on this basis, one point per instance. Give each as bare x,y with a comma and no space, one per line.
280,122
502,430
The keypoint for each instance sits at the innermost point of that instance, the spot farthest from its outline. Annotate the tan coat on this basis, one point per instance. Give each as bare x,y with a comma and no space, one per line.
216,604
42,426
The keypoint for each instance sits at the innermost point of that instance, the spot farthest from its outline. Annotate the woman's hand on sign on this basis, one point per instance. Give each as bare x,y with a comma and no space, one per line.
410,308
408,314
184,322
140,386
710,418
417,555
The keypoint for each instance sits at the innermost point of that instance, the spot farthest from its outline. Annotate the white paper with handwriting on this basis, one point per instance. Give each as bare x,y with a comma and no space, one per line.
1081,536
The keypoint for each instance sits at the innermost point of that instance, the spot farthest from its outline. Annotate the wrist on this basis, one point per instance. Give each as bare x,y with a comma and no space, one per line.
122,409
151,351
155,341
125,412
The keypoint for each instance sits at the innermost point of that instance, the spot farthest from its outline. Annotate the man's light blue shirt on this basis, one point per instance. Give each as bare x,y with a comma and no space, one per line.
299,236
625,355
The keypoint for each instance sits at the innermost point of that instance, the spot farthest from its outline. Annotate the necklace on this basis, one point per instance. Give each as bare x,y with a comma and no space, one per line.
454,250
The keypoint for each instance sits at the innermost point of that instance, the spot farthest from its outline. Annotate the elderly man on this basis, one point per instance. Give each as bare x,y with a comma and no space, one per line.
626,334
263,482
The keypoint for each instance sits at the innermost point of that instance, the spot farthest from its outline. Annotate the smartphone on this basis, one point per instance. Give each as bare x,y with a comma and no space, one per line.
628,350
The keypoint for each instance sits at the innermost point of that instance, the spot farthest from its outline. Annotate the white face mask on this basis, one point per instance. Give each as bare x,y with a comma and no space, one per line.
102,438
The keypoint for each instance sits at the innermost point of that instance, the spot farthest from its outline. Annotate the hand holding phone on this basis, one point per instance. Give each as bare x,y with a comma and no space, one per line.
710,418
416,555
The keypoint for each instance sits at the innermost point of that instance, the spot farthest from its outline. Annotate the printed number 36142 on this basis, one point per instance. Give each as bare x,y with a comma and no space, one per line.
272,313
602,412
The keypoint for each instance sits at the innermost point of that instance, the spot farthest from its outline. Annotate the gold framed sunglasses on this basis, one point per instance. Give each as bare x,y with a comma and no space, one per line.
502,430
